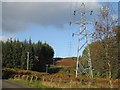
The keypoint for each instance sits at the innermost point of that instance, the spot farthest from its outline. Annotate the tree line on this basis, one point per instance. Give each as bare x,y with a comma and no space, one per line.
100,61
105,48
14,54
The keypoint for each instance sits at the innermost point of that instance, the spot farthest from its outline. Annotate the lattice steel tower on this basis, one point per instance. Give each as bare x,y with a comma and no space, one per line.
83,35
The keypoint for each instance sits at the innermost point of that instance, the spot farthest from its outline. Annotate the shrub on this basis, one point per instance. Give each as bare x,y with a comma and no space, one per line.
54,70
8,73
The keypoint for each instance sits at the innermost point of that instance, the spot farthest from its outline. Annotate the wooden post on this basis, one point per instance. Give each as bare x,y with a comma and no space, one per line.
70,83
31,79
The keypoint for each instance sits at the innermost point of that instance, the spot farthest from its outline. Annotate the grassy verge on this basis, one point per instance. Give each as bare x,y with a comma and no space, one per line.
35,84
63,79
46,84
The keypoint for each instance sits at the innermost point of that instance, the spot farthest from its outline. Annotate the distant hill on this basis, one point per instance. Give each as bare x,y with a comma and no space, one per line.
67,62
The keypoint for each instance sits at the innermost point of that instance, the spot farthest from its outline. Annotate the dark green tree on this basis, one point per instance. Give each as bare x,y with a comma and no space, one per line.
14,54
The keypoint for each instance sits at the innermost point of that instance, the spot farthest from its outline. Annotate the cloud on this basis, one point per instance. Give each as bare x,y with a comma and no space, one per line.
3,38
17,16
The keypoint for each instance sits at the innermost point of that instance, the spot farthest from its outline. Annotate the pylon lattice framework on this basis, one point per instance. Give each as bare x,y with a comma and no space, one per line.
83,34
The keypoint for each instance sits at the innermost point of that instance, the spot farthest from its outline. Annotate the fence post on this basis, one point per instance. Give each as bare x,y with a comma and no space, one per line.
15,76
59,82
18,76
23,77
31,79
43,78
70,83
36,78
51,80
27,77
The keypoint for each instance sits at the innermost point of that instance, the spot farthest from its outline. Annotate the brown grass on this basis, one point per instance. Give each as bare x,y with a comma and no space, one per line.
64,80
68,62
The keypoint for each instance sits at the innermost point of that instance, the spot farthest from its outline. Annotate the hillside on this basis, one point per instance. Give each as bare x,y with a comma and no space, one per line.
67,62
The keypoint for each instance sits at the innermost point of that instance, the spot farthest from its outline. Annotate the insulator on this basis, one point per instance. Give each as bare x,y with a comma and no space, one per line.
73,35
82,4
84,13
74,12
91,12
96,23
70,23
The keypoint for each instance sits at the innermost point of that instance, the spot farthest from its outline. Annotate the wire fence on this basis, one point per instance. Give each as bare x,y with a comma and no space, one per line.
61,82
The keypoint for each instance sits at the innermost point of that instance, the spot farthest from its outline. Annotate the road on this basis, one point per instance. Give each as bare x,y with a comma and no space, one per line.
9,84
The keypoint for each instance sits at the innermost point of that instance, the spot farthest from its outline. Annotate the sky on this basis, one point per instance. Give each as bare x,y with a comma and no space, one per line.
47,22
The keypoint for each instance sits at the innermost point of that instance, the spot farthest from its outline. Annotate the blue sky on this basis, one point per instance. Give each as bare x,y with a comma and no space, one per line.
59,39
45,22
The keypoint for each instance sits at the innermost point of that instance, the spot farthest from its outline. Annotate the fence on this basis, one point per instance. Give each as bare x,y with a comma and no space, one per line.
65,82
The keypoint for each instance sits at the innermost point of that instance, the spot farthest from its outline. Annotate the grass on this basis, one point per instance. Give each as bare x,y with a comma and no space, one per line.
59,84
34,84
47,84
62,79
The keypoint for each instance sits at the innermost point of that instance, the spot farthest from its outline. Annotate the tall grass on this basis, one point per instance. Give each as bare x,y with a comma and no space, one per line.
44,80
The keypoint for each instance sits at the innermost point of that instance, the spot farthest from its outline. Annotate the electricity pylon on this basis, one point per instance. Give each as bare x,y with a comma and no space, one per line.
83,34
